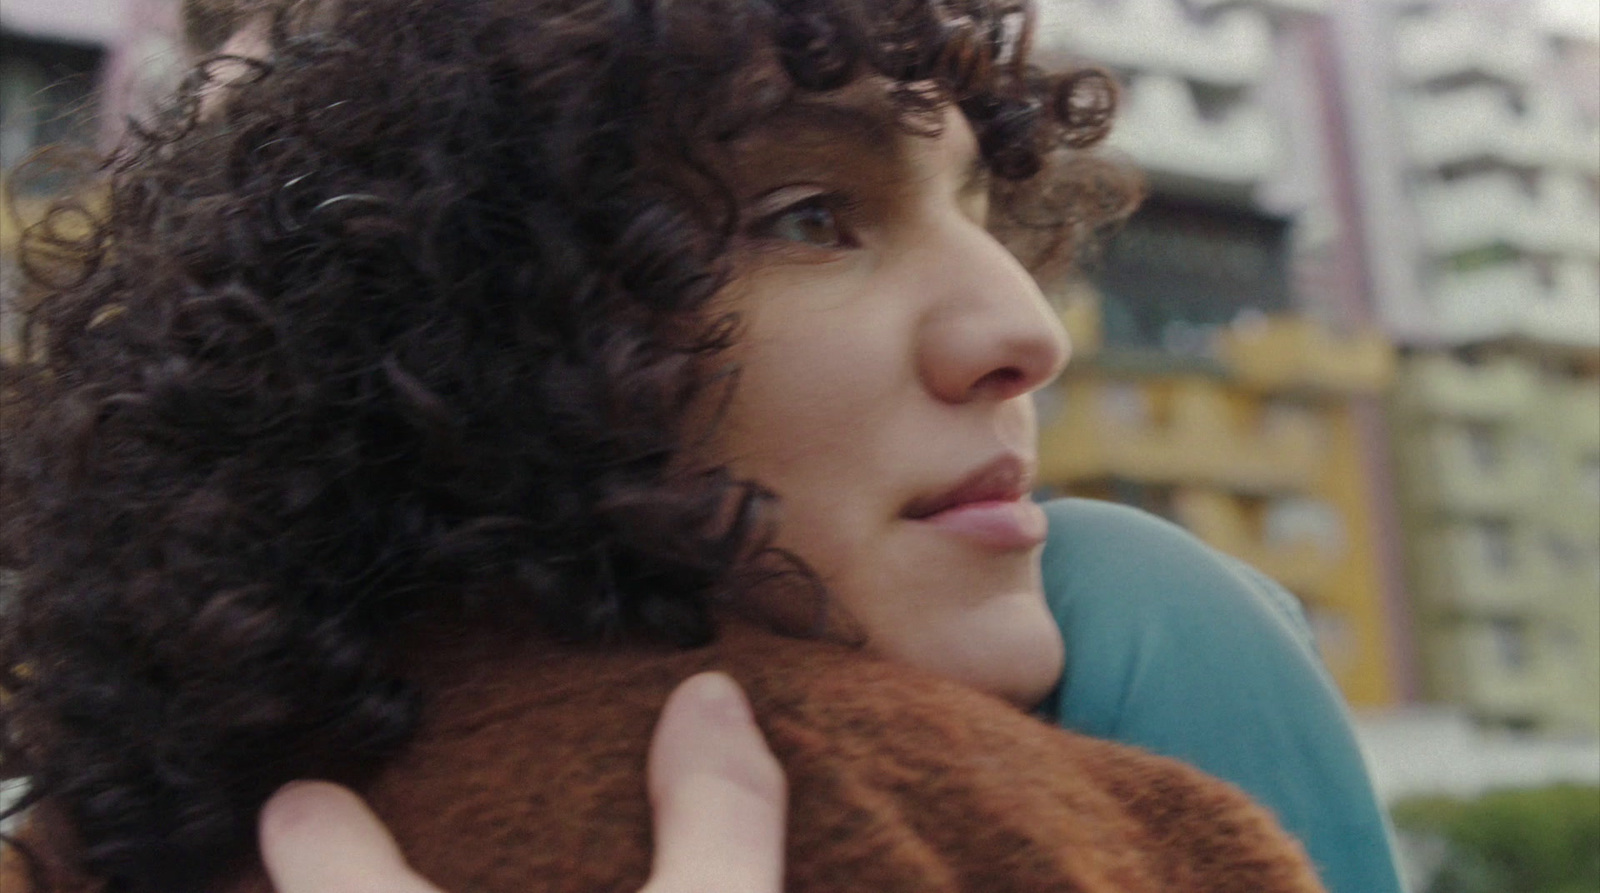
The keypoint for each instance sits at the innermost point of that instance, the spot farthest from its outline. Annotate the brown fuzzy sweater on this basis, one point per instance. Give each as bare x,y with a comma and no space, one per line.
528,776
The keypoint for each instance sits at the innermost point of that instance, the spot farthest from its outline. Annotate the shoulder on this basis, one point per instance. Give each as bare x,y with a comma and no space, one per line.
898,781
1170,643
1180,649
1109,563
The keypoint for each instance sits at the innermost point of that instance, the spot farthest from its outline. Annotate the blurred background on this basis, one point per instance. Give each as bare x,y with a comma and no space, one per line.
1352,338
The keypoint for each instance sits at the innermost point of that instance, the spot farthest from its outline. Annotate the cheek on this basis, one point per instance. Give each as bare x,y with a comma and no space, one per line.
822,388
821,415
821,435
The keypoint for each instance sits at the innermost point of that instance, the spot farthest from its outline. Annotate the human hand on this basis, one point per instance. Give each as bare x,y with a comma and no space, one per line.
718,795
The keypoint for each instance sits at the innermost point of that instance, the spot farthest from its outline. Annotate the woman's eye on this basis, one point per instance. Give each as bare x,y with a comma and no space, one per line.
813,221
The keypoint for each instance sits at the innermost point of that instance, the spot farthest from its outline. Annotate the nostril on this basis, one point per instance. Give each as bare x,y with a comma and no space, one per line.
1003,381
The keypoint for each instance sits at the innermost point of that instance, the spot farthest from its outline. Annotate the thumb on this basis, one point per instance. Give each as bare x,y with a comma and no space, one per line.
718,792
317,837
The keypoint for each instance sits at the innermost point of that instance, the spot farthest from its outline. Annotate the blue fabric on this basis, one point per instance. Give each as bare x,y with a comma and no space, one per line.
1180,650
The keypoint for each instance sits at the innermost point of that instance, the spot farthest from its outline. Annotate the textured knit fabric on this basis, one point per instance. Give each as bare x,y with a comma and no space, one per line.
528,776
1178,649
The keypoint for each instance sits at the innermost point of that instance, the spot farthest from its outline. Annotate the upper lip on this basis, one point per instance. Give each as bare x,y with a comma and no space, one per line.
1006,479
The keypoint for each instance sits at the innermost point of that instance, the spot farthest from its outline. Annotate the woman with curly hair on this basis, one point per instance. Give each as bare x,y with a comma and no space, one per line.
445,380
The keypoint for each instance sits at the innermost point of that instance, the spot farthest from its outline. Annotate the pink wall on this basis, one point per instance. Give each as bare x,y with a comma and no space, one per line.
77,21
139,38
144,60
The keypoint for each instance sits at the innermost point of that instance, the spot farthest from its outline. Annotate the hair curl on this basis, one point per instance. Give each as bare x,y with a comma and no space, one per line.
407,330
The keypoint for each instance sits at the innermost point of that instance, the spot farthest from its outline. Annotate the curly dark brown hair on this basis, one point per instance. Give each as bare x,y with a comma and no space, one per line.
404,330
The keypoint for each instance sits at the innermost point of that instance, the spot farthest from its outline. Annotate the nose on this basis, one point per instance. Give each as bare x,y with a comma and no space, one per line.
989,333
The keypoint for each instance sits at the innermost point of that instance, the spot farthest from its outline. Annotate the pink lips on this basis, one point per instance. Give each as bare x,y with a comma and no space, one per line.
989,508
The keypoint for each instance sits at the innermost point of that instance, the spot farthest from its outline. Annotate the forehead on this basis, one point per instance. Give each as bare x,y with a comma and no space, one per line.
858,130
862,110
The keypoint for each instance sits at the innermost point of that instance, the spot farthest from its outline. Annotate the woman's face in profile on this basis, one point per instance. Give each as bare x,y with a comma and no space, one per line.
889,350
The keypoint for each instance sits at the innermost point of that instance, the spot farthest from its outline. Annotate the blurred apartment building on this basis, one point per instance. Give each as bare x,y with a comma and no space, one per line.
1353,337
1230,370
1478,152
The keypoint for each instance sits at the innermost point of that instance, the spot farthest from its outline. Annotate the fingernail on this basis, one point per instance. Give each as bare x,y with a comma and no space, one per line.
289,806
297,784
718,698
300,797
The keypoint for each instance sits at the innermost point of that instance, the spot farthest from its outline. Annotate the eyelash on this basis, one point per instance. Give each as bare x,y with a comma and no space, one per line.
839,207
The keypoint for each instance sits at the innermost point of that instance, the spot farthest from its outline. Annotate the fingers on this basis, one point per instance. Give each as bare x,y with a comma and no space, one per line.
317,837
718,792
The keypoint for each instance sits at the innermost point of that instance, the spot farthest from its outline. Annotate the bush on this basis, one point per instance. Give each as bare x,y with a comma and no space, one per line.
1544,840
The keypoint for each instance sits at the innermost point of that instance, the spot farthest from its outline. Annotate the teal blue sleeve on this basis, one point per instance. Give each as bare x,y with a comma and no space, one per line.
1180,650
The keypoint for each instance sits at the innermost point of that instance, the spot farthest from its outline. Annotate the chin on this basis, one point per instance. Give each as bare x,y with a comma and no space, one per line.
1008,646
1036,656
1011,643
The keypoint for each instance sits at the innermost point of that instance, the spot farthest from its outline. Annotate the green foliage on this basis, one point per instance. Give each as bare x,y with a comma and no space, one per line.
1544,840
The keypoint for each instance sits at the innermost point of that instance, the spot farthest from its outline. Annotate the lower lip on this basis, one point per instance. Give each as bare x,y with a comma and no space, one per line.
1003,526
